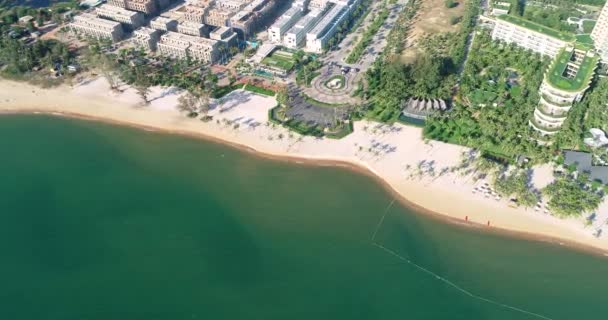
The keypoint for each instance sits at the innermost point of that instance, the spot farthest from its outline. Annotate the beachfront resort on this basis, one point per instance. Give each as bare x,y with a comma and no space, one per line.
520,92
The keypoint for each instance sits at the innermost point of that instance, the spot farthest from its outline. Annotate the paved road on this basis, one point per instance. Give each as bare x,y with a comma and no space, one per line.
377,44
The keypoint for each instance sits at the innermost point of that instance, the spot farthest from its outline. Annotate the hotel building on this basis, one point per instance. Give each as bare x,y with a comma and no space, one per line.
232,5
194,13
93,26
284,23
130,18
192,28
318,37
565,82
163,24
530,35
297,34
218,17
146,38
254,15
600,34
182,46
145,6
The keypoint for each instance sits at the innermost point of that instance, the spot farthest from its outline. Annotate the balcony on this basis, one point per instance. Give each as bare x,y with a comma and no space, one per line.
544,129
551,102
548,113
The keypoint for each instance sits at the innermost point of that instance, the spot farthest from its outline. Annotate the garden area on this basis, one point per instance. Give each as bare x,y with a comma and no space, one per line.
497,96
280,59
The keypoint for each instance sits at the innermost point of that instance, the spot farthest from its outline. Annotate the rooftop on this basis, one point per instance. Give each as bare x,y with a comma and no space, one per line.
564,36
555,74
583,163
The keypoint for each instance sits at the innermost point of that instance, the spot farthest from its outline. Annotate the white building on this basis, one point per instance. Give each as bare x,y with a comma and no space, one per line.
130,18
163,24
530,35
296,36
565,82
318,4
225,35
93,26
191,28
182,46
195,13
500,8
146,38
600,34
284,23
233,5
318,37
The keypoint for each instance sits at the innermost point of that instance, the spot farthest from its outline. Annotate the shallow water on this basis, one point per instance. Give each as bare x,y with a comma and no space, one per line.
105,222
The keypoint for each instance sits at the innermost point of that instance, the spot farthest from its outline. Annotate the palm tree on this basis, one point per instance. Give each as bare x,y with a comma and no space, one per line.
143,91
187,103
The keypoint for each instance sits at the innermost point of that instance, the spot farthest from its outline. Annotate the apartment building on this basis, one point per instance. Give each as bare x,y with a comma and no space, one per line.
565,82
132,19
194,13
284,23
218,17
145,6
253,16
296,36
91,25
318,37
182,46
164,24
530,35
318,4
146,38
232,5
192,28
600,34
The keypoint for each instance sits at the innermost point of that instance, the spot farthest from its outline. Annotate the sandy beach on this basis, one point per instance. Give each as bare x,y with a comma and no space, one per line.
391,153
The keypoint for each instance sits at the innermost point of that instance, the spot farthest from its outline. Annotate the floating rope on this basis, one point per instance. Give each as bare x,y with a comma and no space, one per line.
442,279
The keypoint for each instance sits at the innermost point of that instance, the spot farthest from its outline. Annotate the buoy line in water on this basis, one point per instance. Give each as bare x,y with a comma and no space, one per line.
440,278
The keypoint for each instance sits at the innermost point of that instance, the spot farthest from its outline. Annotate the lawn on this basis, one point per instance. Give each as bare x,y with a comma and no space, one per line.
580,80
320,103
588,25
564,36
259,90
282,61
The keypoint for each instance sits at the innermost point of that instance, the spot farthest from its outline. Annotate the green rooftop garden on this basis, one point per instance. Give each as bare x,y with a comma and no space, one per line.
279,60
564,36
500,6
555,74
584,42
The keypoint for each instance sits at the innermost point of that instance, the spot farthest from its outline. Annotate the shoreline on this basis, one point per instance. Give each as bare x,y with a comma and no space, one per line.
359,166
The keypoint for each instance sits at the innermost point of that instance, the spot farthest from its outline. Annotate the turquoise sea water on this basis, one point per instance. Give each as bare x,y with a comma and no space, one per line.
105,222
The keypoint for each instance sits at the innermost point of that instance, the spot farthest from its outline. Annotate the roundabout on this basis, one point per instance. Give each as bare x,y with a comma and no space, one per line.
334,87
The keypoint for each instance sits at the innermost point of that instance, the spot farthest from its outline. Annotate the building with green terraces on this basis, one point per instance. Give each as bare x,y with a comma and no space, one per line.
567,78
565,82
530,35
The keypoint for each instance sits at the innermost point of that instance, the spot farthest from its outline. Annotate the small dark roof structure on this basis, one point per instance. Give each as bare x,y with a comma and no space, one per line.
584,163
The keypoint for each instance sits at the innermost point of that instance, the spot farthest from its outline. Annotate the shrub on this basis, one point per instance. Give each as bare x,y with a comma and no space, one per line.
450,4
455,19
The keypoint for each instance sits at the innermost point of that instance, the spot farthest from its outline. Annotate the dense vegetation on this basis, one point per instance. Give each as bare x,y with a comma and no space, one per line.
516,184
498,94
19,59
571,197
432,75
134,67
